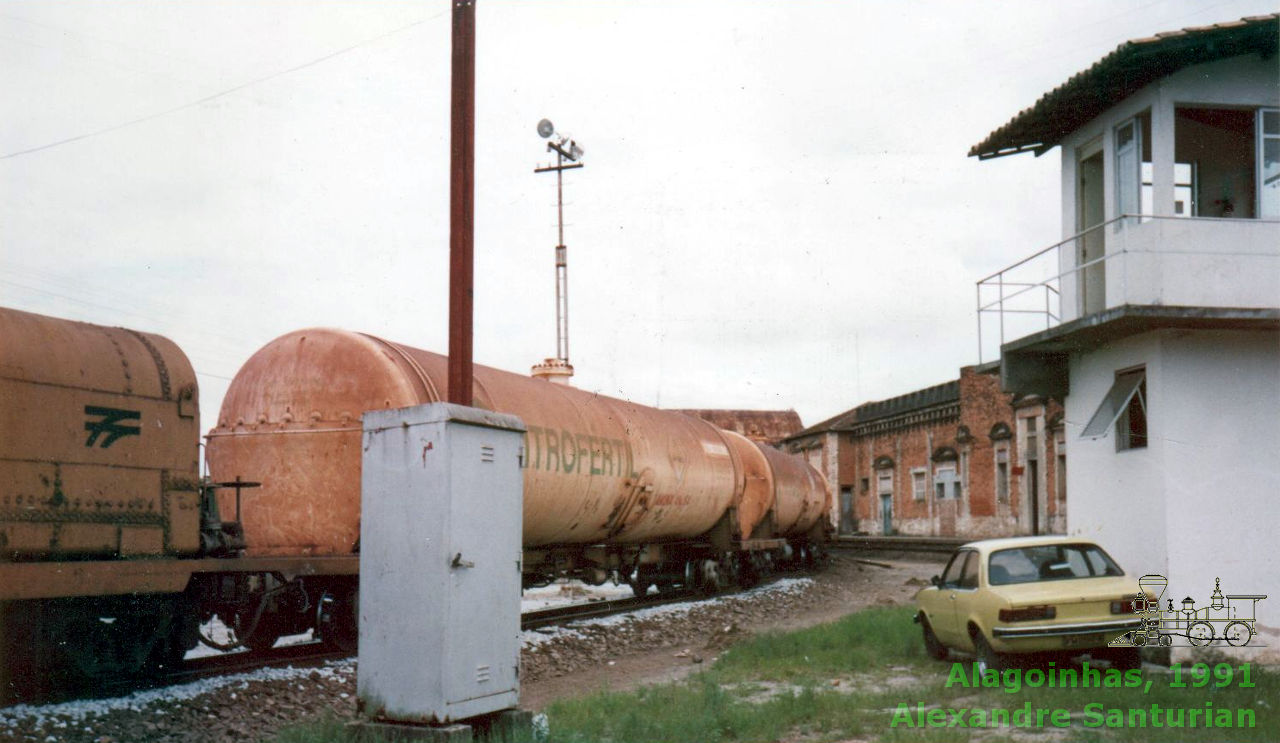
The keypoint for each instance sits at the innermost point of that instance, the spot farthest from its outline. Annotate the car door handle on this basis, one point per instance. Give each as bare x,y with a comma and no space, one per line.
458,562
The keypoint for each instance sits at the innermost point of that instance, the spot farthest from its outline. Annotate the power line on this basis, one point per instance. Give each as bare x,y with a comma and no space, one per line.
223,93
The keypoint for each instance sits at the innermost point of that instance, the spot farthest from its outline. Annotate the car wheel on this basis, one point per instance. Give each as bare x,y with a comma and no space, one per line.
932,645
1125,659
988,658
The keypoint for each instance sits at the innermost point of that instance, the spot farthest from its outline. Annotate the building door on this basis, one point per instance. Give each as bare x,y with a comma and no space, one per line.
1033,493
848,524
886,513
1091,246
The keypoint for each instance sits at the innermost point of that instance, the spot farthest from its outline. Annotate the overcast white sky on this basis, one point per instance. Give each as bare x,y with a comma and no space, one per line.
776,210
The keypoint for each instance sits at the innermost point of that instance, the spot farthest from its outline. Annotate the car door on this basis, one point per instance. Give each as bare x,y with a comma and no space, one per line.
963,598
941,610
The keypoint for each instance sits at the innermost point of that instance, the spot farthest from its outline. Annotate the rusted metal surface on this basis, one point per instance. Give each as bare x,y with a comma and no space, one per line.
754,495
98,435
462,200
596,468
43,580
801,495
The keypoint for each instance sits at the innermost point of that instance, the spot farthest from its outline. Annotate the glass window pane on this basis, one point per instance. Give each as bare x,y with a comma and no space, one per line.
969,578
1271,177
1271,122
1115,402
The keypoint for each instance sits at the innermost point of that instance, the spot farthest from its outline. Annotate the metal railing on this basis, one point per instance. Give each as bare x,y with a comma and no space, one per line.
1023,287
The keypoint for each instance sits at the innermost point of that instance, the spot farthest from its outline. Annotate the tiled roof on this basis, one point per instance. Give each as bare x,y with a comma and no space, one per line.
1132,66
939,394
768,426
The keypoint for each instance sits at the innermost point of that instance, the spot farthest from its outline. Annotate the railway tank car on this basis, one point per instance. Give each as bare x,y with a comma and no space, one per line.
611,487
99,435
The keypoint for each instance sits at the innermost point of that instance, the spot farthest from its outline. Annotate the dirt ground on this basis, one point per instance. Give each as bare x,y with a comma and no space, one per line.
656,645
638,653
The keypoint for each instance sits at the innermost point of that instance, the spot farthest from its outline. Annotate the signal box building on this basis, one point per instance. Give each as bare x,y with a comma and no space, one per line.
957,459
1162,327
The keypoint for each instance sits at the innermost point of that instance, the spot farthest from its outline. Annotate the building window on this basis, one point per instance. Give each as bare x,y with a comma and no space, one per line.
1132,149
963,485
865,484
1124,409
884,483
1002,475
1060,471
919,482
945,482
1227,161
1269,163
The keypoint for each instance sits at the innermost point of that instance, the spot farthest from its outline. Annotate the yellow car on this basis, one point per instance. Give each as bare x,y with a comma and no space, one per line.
1000,597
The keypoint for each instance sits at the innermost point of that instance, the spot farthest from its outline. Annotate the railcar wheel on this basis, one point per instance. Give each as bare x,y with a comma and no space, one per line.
1200,634
338,617
1238,633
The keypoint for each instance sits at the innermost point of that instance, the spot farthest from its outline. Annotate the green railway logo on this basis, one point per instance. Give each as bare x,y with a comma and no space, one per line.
110,424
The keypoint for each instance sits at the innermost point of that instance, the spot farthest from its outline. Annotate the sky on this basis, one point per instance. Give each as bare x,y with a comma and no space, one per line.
776,209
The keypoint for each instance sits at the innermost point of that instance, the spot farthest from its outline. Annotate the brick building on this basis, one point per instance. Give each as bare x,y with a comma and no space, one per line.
762,426
958,459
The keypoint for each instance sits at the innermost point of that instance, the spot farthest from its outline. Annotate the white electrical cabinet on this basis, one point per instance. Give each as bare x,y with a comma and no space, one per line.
440,550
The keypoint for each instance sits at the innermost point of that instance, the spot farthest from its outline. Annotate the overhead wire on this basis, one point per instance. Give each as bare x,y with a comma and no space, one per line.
222,93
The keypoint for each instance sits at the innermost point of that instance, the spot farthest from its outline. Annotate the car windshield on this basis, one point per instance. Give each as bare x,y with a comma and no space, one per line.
1049,562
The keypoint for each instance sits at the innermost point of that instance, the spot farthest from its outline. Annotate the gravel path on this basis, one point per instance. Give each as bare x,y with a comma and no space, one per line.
652,645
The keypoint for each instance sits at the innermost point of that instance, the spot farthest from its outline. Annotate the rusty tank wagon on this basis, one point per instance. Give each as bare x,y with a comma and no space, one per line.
612,488
114,552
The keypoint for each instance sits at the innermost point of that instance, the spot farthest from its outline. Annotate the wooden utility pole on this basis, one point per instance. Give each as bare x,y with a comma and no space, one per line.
462,182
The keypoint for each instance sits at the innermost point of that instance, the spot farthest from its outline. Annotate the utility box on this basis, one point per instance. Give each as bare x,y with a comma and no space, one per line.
440,550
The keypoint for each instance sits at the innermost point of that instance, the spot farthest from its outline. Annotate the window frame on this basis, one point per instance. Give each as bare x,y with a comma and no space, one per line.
919,483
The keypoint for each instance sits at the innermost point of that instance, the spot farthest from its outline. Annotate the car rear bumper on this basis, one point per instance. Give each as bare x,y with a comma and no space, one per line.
1118,626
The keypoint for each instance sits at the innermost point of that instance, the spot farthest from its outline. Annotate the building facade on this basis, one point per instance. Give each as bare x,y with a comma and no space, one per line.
961,459
1164,339
761,426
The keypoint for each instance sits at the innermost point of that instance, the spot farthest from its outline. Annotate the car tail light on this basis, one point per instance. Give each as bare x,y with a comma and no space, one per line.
1028,613
1127,606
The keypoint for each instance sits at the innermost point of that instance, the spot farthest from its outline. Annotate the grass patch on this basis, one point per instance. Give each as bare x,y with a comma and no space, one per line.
867,640
779,686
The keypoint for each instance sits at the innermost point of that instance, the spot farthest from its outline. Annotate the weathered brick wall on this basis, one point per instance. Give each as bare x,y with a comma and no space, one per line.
978,512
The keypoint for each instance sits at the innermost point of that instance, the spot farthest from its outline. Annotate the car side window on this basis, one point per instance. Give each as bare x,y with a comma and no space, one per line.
951,576
969,577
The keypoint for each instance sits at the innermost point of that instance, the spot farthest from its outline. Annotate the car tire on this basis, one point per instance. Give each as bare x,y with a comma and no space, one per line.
1125,659
988,658
932,645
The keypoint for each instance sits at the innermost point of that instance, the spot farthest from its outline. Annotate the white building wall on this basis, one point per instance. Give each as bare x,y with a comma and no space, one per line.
1118,497
1222,463
1202,501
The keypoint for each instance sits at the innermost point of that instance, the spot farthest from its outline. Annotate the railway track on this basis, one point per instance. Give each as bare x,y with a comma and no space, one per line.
573,612
927,545
316,653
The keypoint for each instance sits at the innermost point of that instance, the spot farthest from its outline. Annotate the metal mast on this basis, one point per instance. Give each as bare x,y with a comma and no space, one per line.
559,368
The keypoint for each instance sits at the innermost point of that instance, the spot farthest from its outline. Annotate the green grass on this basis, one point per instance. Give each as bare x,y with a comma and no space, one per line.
779,686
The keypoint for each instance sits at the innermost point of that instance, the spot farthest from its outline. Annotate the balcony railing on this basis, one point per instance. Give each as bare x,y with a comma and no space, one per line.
1133,259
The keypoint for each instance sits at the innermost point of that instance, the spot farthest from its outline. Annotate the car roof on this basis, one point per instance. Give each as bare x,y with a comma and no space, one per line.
987,546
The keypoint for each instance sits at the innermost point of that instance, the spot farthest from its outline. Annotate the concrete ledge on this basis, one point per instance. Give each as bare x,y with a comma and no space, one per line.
364,731
507,726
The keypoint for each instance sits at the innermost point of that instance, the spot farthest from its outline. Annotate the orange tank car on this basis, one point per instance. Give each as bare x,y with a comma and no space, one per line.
98,442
